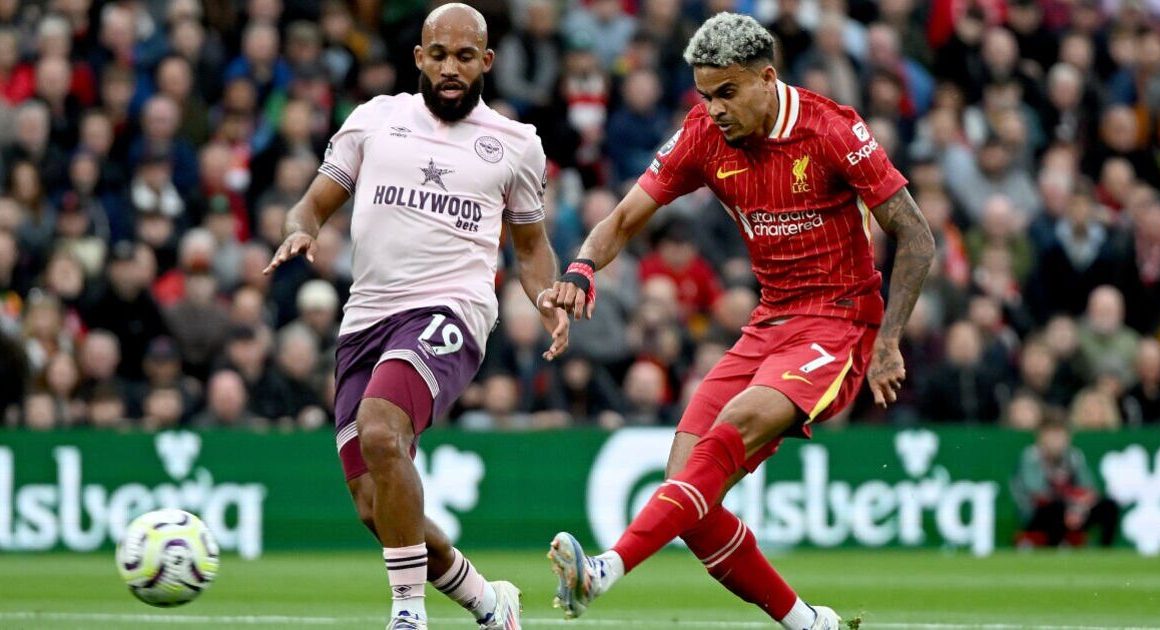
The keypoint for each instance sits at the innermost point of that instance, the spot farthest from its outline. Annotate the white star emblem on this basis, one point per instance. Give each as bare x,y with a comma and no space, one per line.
434,174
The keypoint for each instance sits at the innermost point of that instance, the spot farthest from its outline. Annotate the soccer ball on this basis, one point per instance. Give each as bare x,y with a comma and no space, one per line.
167,557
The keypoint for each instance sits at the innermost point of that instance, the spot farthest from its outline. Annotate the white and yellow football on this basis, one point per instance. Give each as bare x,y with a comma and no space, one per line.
167,557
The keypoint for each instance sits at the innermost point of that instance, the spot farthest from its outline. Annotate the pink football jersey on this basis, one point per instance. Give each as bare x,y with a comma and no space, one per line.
429,201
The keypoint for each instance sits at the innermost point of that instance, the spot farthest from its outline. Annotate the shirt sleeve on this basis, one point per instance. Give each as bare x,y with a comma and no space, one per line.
862,162
675,170
344,152
525,198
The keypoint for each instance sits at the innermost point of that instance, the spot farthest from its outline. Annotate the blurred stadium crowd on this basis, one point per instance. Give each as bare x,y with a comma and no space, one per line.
152,148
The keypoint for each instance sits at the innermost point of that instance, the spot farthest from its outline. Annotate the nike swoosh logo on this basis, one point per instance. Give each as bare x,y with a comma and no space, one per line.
723,174
790,376
662,497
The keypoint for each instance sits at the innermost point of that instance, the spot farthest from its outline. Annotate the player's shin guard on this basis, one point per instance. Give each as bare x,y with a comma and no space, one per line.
729,551
686,498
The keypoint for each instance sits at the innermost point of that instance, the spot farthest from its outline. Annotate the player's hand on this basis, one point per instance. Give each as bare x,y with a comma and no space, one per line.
296,243
555,321
886,372
572,299
575,291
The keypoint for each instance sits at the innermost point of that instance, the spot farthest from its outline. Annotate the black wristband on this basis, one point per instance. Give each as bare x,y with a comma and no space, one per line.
582,273
580,280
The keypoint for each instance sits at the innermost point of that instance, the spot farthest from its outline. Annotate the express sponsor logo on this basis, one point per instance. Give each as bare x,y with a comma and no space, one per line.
862,153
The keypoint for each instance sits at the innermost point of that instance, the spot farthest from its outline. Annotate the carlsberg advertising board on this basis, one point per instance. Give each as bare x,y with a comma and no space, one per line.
873,487
811,506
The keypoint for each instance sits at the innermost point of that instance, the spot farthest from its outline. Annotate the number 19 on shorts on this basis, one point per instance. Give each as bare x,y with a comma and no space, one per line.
450,334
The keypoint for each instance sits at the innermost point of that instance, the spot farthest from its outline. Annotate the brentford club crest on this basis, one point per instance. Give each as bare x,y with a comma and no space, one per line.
489,149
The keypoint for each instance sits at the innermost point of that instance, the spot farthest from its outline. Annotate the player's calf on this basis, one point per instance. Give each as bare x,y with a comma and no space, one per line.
385,436
730,553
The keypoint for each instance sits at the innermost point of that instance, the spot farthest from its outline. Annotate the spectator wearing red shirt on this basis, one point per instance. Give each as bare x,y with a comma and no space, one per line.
675,256
16,80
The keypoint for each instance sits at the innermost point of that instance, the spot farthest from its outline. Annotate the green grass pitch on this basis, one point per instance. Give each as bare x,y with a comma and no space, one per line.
1065,590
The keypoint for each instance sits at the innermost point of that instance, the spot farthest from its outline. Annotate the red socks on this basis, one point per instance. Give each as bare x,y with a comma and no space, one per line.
685,499
729,551
686,505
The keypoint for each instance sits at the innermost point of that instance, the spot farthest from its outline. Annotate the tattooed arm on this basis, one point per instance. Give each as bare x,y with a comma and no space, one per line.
900,217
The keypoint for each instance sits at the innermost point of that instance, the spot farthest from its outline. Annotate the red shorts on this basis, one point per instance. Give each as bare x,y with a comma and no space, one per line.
817,362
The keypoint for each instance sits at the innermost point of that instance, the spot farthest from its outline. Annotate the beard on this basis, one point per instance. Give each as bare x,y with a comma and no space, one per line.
452,110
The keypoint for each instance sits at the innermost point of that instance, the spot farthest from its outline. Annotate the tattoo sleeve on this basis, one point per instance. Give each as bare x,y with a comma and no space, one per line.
900,217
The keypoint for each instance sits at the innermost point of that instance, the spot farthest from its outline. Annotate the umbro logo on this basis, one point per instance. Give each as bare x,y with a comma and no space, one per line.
400,132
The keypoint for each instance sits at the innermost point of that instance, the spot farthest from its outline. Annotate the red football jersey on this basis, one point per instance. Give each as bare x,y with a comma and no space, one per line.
801,199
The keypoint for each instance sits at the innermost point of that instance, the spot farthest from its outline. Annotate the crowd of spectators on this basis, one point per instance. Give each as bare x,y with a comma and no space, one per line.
152,148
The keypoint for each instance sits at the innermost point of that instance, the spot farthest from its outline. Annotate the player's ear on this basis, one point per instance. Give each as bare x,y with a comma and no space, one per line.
419,57
769,77
488,59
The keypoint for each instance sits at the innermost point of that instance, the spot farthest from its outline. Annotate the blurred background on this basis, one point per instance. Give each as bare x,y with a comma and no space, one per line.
151,149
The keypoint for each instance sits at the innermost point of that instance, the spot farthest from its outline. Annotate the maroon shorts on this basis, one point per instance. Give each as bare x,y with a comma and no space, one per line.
434,341
817,362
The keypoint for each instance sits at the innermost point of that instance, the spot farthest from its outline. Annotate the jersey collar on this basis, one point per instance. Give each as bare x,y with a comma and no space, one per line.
788,108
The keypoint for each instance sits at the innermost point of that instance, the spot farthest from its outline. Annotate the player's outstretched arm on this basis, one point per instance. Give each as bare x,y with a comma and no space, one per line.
303,221
537,270
576,290
900,217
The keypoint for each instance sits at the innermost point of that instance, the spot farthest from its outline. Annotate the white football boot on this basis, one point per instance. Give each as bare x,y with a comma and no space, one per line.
827,619
407,621
581,578
508,607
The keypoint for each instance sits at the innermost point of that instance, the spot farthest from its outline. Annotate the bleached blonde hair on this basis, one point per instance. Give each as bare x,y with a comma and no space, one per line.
729,38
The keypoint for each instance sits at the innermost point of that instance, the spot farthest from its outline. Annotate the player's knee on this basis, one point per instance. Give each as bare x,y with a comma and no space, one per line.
380,444
384,433
746,419
761,416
